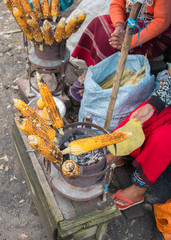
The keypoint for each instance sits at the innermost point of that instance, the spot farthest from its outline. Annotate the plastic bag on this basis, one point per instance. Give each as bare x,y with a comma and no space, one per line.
96,100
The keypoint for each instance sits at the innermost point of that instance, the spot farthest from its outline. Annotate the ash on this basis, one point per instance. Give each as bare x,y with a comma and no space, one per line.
86,159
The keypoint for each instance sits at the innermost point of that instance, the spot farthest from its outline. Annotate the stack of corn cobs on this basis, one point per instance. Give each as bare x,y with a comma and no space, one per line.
28,20
42,137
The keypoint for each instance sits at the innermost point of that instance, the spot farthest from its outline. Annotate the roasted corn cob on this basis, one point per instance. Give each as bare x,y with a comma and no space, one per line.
70,27
37,9
29,113
70,169
60,29
22,23
54,9
46,148
81,19
35,29
9,5
84,145
28,127
18,5
45,9
48,33
50,104
27,8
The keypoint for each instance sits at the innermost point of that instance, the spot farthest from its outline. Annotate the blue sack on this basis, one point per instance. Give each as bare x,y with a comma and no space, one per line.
63,4
96,100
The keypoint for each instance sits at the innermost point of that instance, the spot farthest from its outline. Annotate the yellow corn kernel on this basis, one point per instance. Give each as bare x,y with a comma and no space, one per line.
29,113
46,148
54,9
48,33
81,19
22,23
35,29
84,145
53,111
70,27
27,8
28,127
45,9
37,9
60,29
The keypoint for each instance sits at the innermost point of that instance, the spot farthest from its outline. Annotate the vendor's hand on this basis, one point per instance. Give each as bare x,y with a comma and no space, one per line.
117,37
143,113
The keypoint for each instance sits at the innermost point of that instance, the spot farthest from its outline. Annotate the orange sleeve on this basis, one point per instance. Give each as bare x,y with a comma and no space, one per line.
117,11
161,21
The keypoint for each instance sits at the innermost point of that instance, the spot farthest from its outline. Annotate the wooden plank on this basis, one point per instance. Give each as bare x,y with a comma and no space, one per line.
101,231
85,233
43,198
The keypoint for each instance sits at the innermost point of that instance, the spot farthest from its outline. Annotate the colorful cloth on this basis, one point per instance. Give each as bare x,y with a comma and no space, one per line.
154,156
94,46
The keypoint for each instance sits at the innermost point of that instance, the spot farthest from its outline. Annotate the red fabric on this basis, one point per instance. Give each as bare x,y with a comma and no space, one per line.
153,157
94,46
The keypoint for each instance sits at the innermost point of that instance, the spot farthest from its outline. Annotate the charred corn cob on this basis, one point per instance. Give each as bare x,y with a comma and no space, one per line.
60,29
70,169
45,9
37,9
70,27
35,29
53,111
48,33
27,8
81,19
18,5
28,127
84,145
54,9
46,148
22,23
9,5
29,113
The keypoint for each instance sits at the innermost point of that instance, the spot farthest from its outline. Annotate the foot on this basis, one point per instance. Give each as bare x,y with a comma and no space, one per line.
82,77
118,161
133,194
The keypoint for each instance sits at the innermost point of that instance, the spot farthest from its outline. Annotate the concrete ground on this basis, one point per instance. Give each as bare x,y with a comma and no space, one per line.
18,216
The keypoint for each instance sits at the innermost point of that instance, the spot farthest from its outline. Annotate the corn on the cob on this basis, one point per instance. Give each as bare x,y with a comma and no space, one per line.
54,9
28,127
46,148
48,33
70,27
60,29
18,5
35,29
37,9
45,9
9,5
29,113
81,19
84,145
53,111
27,8
22,23
70,169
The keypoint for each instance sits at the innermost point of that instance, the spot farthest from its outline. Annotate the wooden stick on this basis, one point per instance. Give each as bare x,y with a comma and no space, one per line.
121,64
13,31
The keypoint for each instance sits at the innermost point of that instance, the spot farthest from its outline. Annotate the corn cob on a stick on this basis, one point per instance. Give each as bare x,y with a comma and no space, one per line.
81,19
46,148
22,23
37,9
28,127
54,9
70,169
70,27
45,9
27,8
9,5
53,111
60,29
48,33
35,29
84,145
29,113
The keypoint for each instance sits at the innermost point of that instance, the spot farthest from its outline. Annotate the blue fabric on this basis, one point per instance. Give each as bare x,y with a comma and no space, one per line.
63,4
